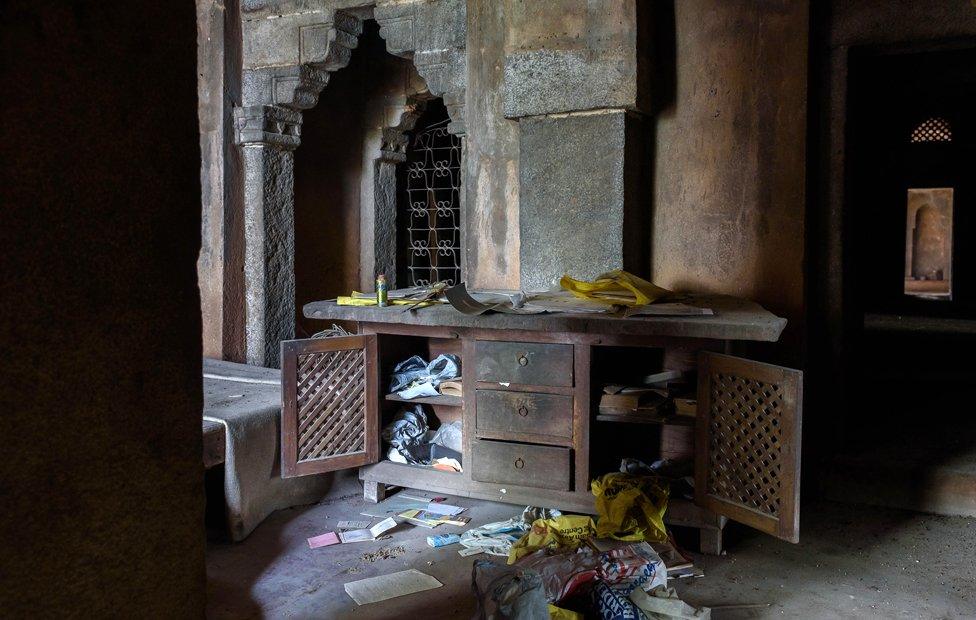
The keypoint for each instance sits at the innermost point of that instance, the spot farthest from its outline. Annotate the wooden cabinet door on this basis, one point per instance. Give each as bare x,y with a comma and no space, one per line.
330,404
747,445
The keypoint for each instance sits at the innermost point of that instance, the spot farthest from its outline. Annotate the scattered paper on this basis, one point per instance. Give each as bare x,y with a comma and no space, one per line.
366,535
444,509
385,587
396,504
353,525
323,540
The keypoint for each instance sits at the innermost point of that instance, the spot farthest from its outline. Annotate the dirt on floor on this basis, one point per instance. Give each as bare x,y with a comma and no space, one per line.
852,562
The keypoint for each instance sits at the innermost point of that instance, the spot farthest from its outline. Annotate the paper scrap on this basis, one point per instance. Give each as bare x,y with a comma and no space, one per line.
366,535
353,525
384,587
444,509
323,540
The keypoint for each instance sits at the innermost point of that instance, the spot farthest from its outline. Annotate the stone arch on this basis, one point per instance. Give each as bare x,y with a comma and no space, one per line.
288,58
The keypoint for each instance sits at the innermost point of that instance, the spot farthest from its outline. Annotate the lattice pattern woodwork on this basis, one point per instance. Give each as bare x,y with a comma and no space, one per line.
745,442
933,130
331,403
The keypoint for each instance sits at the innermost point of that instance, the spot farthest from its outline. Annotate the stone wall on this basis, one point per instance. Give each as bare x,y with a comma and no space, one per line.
101,475
667,138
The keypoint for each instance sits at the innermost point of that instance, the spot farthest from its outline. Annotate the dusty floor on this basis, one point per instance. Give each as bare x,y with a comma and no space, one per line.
853,562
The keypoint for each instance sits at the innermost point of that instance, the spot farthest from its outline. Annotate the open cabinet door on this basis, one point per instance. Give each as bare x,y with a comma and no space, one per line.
330,404
747,445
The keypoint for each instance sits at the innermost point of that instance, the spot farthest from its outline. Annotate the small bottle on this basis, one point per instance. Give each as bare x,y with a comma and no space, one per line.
381,291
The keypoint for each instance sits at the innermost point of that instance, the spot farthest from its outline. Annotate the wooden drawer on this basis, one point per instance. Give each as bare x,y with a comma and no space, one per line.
501,462
525,412
525,363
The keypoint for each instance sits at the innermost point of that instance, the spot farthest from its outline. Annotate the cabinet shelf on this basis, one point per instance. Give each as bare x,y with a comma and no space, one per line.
447,401
643,419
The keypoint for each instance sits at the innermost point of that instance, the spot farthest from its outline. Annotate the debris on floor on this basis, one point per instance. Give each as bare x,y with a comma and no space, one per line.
383,553
353,525
443,540
384,587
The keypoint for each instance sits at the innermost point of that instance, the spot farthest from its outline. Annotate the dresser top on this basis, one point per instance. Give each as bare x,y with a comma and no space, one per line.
733,319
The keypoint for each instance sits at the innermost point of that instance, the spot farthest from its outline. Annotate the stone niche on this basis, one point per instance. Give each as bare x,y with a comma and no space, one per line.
559,130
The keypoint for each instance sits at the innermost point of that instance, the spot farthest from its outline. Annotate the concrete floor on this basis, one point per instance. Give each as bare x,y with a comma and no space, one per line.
853,562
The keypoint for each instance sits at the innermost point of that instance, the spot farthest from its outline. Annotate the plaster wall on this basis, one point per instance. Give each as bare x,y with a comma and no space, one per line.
101,475
729,182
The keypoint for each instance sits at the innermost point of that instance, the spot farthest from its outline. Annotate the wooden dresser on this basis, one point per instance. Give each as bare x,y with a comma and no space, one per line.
531,386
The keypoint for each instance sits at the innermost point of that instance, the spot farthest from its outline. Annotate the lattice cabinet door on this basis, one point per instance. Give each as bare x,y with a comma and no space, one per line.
330,404
747,447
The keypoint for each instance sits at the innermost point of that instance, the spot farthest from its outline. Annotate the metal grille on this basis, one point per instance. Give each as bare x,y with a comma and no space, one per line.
746,438
331,403
933,130
433,209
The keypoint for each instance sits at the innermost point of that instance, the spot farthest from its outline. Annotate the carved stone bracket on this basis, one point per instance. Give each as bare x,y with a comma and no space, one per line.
432,35
268,124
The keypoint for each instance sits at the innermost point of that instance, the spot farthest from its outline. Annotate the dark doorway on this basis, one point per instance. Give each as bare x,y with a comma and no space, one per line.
910,271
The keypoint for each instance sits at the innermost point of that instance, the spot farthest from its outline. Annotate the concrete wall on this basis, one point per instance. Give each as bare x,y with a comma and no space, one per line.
730,154
101,475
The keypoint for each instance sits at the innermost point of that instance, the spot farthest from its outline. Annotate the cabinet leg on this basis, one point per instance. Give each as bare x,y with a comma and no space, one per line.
374,492
710,541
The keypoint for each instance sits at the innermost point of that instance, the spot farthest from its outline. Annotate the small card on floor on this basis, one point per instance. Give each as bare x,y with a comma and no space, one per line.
353,525
323,540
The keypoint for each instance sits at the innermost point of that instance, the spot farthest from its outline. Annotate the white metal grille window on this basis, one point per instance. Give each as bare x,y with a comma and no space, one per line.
431,218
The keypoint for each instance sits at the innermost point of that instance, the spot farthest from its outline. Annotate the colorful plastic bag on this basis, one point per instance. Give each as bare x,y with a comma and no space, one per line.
616,288
630,507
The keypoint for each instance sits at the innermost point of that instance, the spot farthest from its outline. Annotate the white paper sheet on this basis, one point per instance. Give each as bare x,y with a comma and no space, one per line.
444,509
384,587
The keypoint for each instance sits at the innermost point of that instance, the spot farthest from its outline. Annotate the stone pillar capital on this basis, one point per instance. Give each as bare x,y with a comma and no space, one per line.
268,125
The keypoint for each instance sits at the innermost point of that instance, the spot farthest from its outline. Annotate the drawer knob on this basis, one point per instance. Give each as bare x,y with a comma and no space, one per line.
523,360
519,463
523,410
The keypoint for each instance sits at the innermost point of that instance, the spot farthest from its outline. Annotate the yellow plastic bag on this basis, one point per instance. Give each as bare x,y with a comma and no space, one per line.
566,531
616,288
558,613
630,507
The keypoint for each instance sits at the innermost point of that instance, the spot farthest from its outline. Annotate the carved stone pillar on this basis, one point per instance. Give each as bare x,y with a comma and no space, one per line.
268,136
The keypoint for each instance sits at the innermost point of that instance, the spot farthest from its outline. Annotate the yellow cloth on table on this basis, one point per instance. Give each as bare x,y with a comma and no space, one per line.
558,613
616,288
356,300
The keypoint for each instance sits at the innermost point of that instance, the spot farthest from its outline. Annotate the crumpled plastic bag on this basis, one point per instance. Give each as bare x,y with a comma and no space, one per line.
565,531
507,592
495,538
616,288
563,571
413,377
407,435
630,507
449,436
